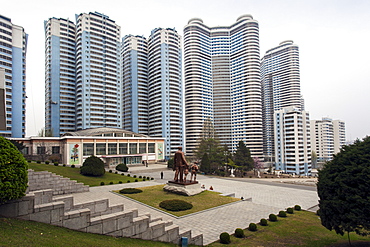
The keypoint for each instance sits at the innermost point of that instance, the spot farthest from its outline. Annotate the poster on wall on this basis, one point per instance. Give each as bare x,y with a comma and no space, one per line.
160,151
74,154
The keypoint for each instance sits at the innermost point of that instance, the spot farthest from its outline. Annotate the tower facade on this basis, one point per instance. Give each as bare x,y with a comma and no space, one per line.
280,86
98,80
292,141
60,76
13,48
222,83
165,88
134,55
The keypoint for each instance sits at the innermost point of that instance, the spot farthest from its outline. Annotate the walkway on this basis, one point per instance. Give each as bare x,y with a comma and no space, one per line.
266,198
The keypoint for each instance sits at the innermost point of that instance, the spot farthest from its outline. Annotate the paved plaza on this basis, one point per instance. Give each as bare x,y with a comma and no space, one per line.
267,196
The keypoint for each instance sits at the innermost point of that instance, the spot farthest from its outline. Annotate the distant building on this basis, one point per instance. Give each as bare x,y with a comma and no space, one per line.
222,83
327,137
280,79
60,76
13,48
113,146
292,141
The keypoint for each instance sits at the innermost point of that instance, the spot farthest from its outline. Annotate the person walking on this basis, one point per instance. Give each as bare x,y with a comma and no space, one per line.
161,175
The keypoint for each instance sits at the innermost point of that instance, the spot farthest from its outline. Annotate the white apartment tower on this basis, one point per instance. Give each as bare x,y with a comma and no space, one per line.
134,55
98,80
327,137
165,88
222,83
60,75
280,80
292,141
13,48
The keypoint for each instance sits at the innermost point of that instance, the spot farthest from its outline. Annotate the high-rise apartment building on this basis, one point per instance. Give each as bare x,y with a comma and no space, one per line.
280,80
165,88
134,55
98,81
60,76
292,141
13,48
327,137
222,83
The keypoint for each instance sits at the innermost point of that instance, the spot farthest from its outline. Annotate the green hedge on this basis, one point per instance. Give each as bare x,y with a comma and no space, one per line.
175,205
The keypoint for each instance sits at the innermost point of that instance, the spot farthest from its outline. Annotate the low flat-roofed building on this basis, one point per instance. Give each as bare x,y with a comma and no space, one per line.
113,146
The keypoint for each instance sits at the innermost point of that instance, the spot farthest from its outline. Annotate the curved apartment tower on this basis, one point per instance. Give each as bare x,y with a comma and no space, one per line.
98,82
280,87
60,74
134,55
13,48
222,83
165,88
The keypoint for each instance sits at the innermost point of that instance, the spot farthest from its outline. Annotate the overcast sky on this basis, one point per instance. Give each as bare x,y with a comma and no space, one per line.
333,37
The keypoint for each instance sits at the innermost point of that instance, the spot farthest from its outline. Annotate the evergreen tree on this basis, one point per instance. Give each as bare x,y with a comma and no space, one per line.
242,157
205,165
344,190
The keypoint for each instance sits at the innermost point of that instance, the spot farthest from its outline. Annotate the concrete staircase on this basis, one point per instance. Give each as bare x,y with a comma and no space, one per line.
93,217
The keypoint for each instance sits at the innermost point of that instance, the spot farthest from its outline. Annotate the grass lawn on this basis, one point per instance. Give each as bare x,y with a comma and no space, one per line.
302,228
14,232
153,195
74,174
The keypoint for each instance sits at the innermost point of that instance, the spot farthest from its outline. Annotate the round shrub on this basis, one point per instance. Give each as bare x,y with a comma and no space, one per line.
130,191
56,164
136,180
144,179
47,162
73,166
129,175
64,165
225,238
93,166
239,233
128,181
140,177
263,222
120,182
122,168
115,172
122,174
38,162
297,208
110,182
282,214
252,227
102,183
29,161
272,217
134,176
13,172
110,171
175,205
290,210
151,178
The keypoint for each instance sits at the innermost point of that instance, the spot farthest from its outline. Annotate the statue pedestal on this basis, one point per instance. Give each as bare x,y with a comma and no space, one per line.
188,188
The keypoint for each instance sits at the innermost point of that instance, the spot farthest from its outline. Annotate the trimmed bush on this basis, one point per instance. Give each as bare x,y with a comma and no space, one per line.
272,217
297,208
140,177
225,238
151,178
136,180
13,172
129,175
252,227
263,222
73,166
144,179
115,172
120,182
64,165
102,183
175,205
29,161
282,214
130,191
47,162
290,210
93,166
128,181
122,174
110,171
122,168
56,164
110,182
134,176
38,162
239,233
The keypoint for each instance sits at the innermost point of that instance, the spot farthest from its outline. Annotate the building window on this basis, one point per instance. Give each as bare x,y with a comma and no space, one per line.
123,148
88,149
55,150
40,150
133,148
25,150
101,149
142,148
112,148
151,147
